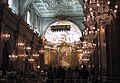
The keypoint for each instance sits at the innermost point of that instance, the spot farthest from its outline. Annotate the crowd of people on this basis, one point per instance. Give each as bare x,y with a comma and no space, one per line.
49,76
67,73
15,76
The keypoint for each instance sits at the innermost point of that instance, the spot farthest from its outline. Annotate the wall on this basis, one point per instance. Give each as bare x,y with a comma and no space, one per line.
17,28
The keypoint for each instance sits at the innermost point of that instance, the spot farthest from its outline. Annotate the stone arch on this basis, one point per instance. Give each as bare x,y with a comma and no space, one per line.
70,36
77,23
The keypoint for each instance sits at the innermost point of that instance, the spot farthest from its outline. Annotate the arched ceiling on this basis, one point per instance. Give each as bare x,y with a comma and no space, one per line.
52,8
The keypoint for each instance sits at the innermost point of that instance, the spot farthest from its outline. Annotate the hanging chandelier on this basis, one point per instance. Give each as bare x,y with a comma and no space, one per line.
35,55
31,60
13,56
6,35
97,12
28,48
41,50
87,48
23,56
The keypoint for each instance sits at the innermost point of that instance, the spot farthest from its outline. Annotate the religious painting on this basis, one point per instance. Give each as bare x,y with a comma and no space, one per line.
64,55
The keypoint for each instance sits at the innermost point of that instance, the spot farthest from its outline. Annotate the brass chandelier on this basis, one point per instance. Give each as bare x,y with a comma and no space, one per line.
97,12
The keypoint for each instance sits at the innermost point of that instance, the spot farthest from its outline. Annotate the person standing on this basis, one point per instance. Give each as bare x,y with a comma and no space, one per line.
50,75
84,73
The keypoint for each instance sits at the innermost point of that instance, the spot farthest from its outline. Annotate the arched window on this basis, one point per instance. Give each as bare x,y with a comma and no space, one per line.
36,23
28,18
10,3
14,5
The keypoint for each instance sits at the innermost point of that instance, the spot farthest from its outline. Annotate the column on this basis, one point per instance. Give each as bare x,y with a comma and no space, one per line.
1,26
96,58
117,28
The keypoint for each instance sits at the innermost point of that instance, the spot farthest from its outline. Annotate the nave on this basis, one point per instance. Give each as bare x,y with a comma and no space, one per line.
36,34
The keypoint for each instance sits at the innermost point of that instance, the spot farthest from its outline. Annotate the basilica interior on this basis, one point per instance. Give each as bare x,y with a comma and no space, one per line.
38,34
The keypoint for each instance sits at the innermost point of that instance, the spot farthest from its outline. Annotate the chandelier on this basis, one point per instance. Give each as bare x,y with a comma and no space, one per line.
21,44
41,51
23,56
13,56
98,11
28,48
90,33
35,55
31,60
85,60
86,50
6,35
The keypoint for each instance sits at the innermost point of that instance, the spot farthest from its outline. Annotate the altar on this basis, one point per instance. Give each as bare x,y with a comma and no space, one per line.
63,55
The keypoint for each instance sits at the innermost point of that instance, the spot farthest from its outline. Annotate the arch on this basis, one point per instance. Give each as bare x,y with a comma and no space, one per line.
79,24
71,36
44,28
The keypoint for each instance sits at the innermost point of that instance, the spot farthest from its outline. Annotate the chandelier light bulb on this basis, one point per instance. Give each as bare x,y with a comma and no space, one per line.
98,30
116,6
93,27
84,18
98,4
88,16
108,2
115,11
28,48
88,52
90,9
38,66
6,36
85,0
87,29
91,13
90,32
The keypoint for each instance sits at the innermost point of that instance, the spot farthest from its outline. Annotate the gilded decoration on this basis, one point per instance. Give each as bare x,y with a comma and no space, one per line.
64,55
47,56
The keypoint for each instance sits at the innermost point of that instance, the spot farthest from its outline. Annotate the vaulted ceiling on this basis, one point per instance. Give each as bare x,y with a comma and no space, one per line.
51,8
